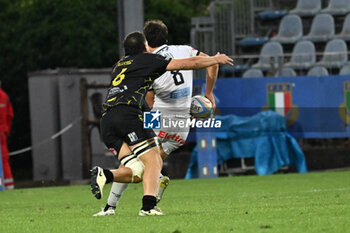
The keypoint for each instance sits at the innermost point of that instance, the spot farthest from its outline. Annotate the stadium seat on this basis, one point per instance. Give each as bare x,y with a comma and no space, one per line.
337,7
345,70
318,71
229,71
270,54
303,56
335,54
272,14
322,28
307,8
253,73
345,33
286,72
253,41
290,30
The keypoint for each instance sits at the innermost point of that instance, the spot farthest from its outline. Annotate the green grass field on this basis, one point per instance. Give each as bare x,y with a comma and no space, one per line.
314,202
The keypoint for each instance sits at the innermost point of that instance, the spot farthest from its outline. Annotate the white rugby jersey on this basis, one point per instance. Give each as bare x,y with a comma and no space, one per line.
173,90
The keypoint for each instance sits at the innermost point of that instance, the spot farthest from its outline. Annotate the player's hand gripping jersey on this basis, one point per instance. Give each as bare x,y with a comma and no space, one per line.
132,76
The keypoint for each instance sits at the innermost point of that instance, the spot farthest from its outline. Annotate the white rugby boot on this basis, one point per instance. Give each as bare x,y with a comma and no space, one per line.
152,212
109,211
98,181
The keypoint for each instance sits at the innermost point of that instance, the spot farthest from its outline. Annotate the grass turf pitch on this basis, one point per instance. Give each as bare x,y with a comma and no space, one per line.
313,202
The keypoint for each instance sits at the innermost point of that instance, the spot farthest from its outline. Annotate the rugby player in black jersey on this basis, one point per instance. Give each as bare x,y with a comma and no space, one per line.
122,121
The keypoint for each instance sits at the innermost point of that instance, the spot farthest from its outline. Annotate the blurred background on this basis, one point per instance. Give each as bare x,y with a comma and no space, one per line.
56,58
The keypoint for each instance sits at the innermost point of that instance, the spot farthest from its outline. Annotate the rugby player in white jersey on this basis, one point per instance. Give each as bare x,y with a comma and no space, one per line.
171,95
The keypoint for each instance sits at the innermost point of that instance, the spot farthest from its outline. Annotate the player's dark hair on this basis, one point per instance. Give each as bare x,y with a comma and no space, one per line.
134,43
156,33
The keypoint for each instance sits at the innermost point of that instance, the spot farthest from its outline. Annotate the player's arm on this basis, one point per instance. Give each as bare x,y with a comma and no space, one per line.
212,74
199,62
150,98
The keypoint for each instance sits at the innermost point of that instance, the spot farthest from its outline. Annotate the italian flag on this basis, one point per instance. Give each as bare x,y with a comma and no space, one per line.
347,105
280,102
347,100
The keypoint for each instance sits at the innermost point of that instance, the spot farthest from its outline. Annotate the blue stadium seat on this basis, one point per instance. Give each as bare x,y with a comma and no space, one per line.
307,7
253,73
345,33
272,14
303,56
318,71
270,54
337,7
345,70
286,72
335,54
229,71
290,30
253,41
322,28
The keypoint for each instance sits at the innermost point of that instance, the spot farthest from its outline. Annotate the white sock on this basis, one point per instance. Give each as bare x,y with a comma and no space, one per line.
161,189
116,192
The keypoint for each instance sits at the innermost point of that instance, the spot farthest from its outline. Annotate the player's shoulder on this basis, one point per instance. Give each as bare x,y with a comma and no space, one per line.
180,47
184,50
154,55
151,57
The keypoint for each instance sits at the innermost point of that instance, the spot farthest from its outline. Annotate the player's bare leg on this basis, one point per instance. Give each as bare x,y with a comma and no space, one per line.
153,165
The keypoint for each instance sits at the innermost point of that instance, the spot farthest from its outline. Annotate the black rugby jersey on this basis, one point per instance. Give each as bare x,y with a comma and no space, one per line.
131,78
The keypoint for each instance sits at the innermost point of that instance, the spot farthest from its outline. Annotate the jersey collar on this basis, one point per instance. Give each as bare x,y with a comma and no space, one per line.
160,48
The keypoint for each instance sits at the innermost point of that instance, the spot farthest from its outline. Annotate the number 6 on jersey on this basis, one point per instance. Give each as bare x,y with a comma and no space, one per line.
119,78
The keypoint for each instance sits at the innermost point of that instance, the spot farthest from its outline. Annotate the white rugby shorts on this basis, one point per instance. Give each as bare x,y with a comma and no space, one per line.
172,137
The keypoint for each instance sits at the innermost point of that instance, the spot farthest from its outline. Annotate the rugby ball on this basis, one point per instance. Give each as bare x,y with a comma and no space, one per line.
201,107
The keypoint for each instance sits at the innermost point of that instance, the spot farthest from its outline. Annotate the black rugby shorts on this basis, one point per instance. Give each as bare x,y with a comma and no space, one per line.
123,123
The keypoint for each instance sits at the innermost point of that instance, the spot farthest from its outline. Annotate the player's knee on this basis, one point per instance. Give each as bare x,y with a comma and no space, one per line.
137,169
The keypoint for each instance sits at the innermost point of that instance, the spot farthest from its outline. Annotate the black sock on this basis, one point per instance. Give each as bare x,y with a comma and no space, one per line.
109,175
148,202
107,207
